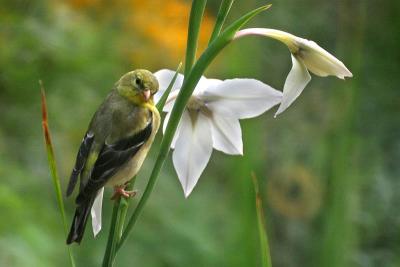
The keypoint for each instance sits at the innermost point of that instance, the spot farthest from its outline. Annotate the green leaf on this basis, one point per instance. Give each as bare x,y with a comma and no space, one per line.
221,17
265,253
53,167
196,15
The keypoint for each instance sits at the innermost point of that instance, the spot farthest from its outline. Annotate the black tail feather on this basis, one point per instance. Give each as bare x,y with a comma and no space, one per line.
79,222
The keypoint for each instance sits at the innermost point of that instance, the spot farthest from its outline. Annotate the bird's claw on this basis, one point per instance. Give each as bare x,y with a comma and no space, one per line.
119,191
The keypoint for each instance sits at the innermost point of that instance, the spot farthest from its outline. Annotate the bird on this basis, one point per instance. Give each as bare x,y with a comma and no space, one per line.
115,145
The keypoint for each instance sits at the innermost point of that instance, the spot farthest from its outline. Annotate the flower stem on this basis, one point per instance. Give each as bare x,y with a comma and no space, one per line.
116,226
196,15
186,91
109,255
124,204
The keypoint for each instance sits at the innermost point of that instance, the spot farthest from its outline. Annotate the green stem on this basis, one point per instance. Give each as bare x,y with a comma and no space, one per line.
221,17
265,251
112,235
196,15
124,204
116,226
186,91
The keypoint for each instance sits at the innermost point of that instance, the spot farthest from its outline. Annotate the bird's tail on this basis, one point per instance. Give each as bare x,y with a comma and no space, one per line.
79,222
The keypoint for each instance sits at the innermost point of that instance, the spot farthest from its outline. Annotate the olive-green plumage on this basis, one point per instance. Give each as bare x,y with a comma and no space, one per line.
116,142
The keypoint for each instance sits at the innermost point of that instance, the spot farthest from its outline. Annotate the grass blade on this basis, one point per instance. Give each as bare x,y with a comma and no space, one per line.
264,246
53,167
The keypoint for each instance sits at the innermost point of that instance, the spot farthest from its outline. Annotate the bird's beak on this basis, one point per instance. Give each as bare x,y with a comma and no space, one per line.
146,95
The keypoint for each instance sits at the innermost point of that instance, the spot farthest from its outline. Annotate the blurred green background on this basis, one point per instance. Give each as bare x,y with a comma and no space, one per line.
328,167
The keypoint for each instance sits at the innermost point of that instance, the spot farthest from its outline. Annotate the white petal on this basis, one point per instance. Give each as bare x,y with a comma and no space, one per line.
166,120
317,60
295,83
96,212
205,84
227,135
192,151
241,98
164,78
321,62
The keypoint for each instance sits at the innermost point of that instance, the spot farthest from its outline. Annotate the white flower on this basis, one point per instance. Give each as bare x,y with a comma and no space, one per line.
306,55
211,120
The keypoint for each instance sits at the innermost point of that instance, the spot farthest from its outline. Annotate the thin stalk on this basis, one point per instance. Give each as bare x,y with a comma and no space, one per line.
53,167
223,11
124,204
186,91
112,235
265,251
196,15
117,223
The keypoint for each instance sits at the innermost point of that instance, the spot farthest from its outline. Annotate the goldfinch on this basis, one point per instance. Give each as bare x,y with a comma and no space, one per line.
115,145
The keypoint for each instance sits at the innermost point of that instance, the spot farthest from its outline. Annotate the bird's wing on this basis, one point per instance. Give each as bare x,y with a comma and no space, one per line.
80,162
111,158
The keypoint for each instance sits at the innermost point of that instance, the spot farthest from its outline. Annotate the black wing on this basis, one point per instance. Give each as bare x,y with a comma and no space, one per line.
111,158
81,158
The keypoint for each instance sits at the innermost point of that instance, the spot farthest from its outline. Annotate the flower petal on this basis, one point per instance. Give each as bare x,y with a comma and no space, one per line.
96,212
317,60
227,135
241,98
321,62
295,83
193,150
206,84
164,78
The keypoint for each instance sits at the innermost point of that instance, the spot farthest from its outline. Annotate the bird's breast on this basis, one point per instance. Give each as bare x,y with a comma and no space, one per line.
131,168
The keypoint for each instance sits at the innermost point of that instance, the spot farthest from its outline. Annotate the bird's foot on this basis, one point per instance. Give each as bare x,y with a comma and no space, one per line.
119,191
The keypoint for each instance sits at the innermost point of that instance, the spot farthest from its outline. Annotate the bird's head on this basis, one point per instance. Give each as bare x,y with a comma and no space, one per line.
138,86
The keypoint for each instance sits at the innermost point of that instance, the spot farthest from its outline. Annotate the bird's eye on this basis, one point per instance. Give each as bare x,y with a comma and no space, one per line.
137,82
